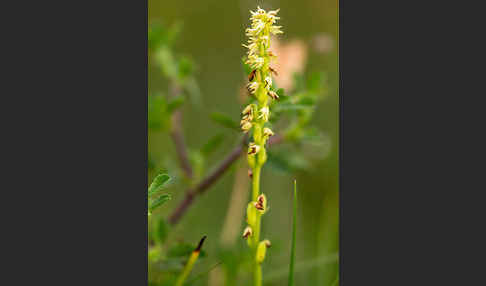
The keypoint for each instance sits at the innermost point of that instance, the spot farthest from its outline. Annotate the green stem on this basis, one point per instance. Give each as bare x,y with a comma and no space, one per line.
257,271
258,274
294,231
187,269
190,263
256,183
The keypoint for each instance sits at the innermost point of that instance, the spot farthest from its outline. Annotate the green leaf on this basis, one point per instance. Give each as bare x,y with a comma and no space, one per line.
287,162
183,250
157,36
158,184
288,107
212,144
158,117
224,120
294,232
307,101
192,88
161,231
186,67
158,202
165,59
315,81
154,254
175,103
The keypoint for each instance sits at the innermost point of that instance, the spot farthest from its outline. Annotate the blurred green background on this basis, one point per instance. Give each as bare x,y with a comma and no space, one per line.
211,35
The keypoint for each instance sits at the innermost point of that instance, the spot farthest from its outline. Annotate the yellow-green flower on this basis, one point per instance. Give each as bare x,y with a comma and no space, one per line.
264,113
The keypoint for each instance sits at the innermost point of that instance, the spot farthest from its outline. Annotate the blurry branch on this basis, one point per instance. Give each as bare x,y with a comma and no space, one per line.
177,135
200,188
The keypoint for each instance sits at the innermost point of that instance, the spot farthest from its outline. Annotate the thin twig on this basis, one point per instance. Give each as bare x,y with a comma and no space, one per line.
178,137
206,182
213,177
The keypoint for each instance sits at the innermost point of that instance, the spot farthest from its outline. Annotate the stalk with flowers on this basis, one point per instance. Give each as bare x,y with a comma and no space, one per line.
255,118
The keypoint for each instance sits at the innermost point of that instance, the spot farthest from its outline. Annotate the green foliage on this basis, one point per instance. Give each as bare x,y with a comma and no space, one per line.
225,120
183,249
175,103
178,69
287,161
160,36
157,185
158,202
158,116
212,144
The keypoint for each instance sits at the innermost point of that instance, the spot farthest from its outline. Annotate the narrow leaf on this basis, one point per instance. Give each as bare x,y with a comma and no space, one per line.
158,184
175,103
212,144
158,202
190,263
224,120
294,231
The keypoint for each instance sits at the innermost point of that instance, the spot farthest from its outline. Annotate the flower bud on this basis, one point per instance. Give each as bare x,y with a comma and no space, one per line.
248,109
273,71
247,232
253,149
261,203
261,251
264,113
267,132
273,94
252,87
268,82
267,242
245,126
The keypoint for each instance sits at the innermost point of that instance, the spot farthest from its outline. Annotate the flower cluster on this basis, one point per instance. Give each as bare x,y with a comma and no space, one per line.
255,117
258,58
262,25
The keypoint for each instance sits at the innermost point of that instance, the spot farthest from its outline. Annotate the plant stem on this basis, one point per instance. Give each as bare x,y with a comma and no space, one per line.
257,270
294,231
178,136
190,263
256,183
258,275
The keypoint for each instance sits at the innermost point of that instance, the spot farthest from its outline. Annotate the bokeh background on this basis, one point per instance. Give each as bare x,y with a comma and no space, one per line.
211,35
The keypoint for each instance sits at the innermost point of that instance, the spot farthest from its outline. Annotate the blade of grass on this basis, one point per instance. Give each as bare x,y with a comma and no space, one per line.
202,274
292,249
190,263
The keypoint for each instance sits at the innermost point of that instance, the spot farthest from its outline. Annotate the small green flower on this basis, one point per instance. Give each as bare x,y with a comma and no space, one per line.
247,232
253,149
273,94
267,132
245,126
264,113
